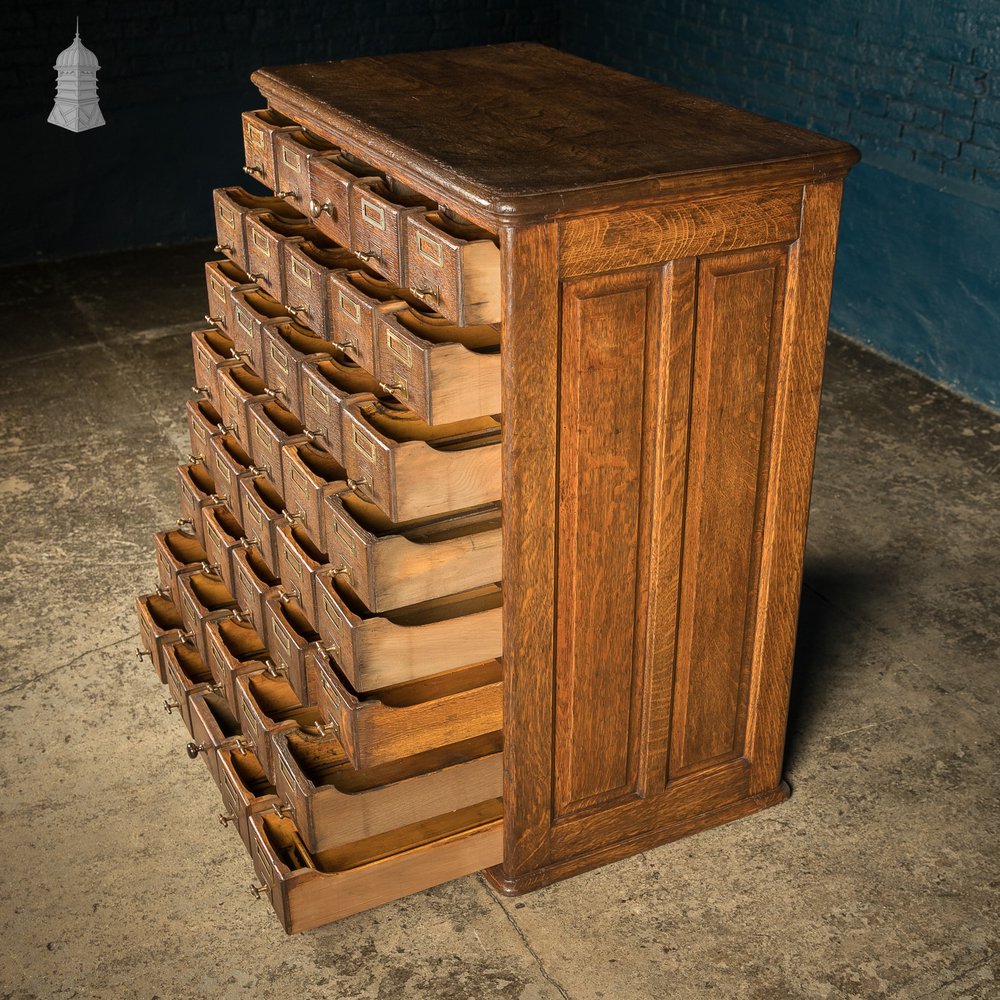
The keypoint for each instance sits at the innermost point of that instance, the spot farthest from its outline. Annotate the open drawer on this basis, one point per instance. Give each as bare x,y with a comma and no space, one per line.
410,719
327,384
235,648
161,624
394,565
222,278
290,637
187,675
334,803
213,726
223,534
204,423
253,310
253,582
262,507
245,789
270,426
233,206
211,350
293,151
286,347
259,131
376,650
202,598
267,705
195,491
177,554
308,890
232,465
266,236
454,266
443,372
308,266
411,470
357,300
310,474
330,181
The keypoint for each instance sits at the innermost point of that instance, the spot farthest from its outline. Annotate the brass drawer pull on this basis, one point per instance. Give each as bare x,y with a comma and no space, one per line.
258,891
426,294
225,820
253,170
294,195
193,749
169,706
222,248
142,653
316,209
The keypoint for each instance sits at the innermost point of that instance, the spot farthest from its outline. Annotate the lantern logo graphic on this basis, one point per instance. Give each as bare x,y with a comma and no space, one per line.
76,106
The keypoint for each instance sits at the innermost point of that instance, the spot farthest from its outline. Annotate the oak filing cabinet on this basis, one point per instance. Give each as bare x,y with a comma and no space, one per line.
492,273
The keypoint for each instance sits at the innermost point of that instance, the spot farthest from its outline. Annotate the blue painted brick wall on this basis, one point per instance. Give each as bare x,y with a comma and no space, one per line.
915,84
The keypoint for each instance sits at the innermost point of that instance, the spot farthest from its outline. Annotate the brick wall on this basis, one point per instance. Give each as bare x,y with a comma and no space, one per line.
915,85
174,77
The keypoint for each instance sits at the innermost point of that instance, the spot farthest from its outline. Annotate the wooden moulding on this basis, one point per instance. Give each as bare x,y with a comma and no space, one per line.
265,705
453,266
408,644
413,471
234,648
177,554
245,789
329,384
222,278
411,718
160,624
187,675
309,475
307,890
358,299
443,372
334,804
394,565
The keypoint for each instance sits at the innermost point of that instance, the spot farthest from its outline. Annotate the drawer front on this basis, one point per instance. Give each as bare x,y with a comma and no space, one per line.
246,335
297,569
305,492
260,518
376,231
266,440
306,289
352,322
221,538
180,687
233,402
291,170
239,802
220,286
192,497
204,423
403,362
249,589
171,564
321,409
264,258
197,615
259,129
230,228
330,201
349,545
288,648
160,624
207,736
229,471
281,369
335,626
369,464
256,727
211,351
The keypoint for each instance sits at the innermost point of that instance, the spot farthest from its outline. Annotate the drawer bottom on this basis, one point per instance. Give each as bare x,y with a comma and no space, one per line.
309,890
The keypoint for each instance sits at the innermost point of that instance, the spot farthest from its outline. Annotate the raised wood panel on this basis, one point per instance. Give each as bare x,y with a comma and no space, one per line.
737,322
679,229
602,547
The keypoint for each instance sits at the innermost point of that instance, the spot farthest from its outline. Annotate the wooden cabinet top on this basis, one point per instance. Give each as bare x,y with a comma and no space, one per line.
522,130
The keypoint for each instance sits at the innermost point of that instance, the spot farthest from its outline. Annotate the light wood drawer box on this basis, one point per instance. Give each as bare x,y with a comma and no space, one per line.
308,890
245,789
266,236
259,130
212,351
300,563
411,470
308,267
232,464
454,266
375,651
214,726
293,152
187,675
334,803
412,718
290,637
234,648
286,348
195,491
328,384
271,426
204,597
393,565
268,705
310,474
357,299
331,179
223,534
254,311
233,206
204,423
253,582
379,210
444,373
222,278
239,386
161,624
262,508
177,554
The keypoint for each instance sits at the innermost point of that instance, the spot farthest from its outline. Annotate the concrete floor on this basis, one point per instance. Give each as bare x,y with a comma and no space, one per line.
879,877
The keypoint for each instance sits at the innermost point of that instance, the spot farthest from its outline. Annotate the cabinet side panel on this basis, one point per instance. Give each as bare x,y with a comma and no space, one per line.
601,539
737,322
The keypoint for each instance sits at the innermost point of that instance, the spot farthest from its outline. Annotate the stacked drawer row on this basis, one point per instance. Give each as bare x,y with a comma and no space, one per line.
328,613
